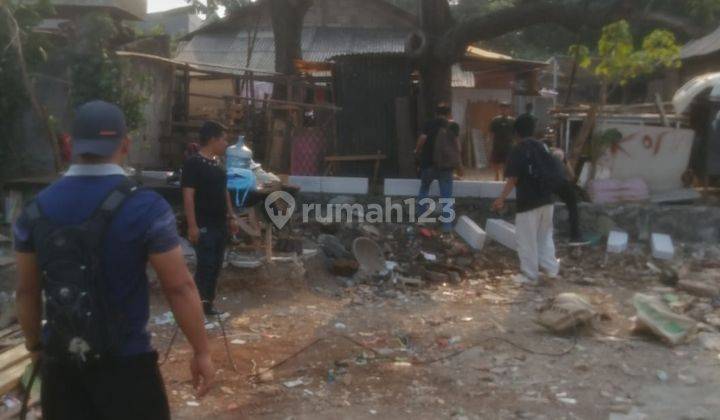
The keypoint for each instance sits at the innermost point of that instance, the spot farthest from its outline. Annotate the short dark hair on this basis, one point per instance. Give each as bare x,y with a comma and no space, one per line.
525,128
529,106
211,130
443,109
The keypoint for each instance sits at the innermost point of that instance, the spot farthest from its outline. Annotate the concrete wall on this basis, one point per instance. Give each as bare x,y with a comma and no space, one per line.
145,149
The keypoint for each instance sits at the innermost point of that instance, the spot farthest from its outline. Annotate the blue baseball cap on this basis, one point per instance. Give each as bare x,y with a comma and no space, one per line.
98,129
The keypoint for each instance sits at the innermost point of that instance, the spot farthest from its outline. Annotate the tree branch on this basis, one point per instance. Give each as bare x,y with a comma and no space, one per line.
572,16
30,89
674,23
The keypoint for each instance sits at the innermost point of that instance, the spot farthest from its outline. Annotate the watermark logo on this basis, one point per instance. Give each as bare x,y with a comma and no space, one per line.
280,207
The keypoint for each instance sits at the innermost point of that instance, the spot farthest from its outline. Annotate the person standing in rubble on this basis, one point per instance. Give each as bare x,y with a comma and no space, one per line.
568,195
532,172
501,130
208,210
440,131
83,244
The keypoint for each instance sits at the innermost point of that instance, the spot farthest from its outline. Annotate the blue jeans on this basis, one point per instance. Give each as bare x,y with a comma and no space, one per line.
445,182
210,251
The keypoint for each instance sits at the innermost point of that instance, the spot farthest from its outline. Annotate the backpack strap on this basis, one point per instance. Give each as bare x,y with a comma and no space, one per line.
113,201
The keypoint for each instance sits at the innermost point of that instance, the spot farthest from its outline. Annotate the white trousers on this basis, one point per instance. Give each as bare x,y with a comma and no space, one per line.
535,246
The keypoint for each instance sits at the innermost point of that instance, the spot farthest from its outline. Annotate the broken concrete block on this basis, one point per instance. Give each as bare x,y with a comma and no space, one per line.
470,232
617,242
662,246
654,315
331,184
699,288
711,341
502,232
568,310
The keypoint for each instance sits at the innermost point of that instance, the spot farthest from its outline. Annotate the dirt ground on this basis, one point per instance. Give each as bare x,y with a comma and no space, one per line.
373,350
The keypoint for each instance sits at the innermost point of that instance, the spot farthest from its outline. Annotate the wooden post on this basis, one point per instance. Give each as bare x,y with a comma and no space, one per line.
268,242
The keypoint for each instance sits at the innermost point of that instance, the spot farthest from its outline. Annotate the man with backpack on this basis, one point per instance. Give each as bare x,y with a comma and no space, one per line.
438,150
84,243
532,170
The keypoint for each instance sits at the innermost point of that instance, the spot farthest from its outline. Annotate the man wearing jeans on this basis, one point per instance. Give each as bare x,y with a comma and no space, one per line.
534,218
430,170
208,209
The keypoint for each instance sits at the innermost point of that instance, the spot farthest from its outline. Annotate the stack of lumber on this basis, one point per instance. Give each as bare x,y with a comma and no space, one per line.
14,359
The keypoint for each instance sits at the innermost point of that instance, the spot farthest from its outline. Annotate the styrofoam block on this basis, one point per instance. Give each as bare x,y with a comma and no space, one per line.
476,189
405,187
502,232
662,246
470,232
331,184
617,242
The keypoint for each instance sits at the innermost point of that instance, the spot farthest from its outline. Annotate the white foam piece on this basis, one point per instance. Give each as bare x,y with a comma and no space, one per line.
617,242
502,232
476,189
331,184
662,246
470,232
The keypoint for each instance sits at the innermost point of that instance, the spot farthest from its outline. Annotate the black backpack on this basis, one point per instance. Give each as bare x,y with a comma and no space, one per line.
82,327
446,154
543,167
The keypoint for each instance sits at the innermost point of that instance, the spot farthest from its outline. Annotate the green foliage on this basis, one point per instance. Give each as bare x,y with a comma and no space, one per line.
618,61
602,141
97,73
13,97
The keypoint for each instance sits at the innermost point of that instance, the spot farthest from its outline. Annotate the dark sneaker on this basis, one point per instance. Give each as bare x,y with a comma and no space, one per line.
210,310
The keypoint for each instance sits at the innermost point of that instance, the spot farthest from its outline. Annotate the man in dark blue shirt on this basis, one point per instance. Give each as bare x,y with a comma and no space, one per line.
127,385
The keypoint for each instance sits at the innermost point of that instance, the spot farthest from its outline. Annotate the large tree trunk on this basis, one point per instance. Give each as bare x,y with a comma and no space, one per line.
436,75
287,21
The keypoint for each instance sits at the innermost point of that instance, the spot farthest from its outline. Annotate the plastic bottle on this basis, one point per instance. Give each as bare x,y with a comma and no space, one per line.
239,156
240,178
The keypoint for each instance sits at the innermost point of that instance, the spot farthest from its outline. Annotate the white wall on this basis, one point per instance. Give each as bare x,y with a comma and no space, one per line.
461,96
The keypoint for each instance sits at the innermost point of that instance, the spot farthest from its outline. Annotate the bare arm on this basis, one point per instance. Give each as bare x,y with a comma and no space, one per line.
182,295
29,298
510,184
230,211
420,143
189,206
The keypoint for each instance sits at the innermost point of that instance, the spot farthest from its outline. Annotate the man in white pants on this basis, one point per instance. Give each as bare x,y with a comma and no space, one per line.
534,219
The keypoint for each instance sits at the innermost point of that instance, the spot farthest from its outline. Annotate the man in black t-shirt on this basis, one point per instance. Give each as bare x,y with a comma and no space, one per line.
208,209
501,129
526,122
534,218
429,169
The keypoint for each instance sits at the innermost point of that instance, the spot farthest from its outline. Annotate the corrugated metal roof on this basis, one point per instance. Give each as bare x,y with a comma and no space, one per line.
318,44
702,46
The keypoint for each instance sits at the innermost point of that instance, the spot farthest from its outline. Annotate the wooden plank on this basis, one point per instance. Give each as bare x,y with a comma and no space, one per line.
10,378
13,356
9,330
585,132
